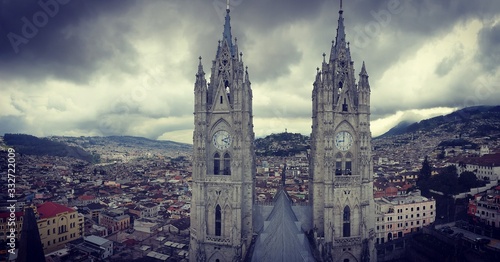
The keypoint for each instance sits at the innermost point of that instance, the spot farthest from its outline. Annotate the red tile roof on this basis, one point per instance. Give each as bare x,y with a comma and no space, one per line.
485,160
86,197
50,209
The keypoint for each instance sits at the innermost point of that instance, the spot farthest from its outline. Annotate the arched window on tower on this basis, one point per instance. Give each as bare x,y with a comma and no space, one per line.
216,164
338,164
347,222
227,164
218,221
348,164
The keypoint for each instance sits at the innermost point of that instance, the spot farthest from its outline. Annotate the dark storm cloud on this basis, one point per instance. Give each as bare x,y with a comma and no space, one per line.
489,47
108,47
13,124
46,38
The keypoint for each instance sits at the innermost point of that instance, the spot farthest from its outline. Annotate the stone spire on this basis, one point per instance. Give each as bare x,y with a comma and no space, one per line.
226,35
30,247
363,83
363,70
340,38
200,68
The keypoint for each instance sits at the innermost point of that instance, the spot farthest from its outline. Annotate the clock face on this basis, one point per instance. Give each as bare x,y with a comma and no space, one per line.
222,139
343,140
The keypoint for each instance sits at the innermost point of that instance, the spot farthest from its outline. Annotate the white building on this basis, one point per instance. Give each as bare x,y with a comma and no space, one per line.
146,226
486,167
403,214
105,246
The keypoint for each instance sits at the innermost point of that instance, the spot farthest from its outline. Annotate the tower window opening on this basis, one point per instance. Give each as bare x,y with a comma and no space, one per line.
228,92
221,99
227,164
344,105
347,222
218,221
216,164
348,168
338,168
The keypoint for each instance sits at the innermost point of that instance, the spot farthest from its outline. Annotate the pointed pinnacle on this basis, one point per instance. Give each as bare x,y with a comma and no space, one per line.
200,67
363,70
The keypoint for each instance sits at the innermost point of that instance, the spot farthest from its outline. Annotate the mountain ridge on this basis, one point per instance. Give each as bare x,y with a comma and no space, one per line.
476,121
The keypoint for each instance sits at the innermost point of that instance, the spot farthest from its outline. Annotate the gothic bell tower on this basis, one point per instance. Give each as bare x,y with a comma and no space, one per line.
341,162
223,159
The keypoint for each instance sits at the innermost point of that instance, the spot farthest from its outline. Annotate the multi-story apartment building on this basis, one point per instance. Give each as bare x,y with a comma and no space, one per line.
402,214
485,207
58,225
114,220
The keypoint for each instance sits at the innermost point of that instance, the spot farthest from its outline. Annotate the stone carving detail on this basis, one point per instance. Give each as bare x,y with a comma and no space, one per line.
365,160
346,181
218,240
347,241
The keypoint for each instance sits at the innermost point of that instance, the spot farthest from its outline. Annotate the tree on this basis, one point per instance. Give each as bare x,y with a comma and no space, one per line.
468,180
426,171
446,181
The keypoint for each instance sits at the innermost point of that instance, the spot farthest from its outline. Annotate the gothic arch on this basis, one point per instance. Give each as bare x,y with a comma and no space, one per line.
227,164
347,257
217,256
338,164
345,125
220,123
218,221
348,164
346,221
217,164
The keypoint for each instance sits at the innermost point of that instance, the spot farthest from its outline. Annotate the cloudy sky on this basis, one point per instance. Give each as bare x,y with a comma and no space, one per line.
125,67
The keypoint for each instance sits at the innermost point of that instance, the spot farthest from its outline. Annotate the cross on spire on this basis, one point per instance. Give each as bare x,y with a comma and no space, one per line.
227,6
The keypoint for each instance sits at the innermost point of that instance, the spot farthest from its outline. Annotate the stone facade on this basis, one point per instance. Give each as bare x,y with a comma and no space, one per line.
223,159
341,161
